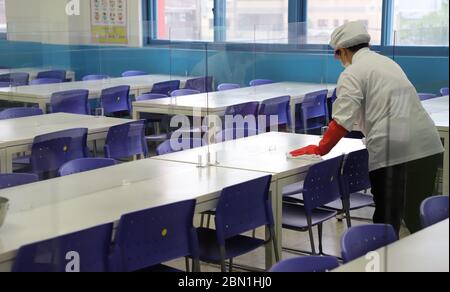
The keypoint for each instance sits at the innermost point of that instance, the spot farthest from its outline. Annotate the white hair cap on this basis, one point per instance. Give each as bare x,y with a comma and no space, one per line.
350,34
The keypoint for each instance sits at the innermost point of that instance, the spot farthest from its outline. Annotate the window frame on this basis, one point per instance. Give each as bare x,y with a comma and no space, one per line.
298,10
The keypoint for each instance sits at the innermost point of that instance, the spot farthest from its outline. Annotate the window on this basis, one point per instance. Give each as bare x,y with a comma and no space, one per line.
325,15
186,20
257,21
421,23
2,17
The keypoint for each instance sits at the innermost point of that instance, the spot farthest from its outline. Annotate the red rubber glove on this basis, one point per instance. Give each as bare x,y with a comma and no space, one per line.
334,134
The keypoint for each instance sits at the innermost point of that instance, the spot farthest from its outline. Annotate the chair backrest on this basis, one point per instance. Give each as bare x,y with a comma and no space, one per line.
227,86
434,210
10,180
4,84
71,101
85,164
20,112
258,82
360,240
15,79
150,237
426,96
171,146
202,84
116,99
166,87
126,140
183,92
50,151
314,105
95,77
150,96
243,207
309,264
355,173
279,106
90,247
444,91
322,184
53,74
234,134
244,109
132,73
41,81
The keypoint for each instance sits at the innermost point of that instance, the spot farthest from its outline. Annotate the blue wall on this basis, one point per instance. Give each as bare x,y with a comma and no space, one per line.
428,73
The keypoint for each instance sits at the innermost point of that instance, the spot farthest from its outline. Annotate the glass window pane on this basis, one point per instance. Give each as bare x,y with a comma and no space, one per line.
325,15
421,23
189,20
260,21
2,16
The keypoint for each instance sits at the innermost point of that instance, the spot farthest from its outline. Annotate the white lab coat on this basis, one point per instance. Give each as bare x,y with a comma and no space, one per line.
376,94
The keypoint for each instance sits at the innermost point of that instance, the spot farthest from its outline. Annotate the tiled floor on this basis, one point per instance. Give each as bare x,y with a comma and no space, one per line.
331,241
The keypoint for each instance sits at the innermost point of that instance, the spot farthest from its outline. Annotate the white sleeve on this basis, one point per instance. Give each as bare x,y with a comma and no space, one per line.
347,107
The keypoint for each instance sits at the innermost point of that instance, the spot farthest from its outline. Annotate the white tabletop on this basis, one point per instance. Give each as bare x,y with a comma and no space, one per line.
438,108
60,206
265,153
218,101
23,130
95,86
425,251
34,71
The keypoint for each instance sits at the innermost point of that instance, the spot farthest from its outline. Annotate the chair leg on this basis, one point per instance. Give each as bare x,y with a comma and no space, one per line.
187,265
195,265
223,265
311,238
254,233
320,229
209,221
202,220
275,244
230,266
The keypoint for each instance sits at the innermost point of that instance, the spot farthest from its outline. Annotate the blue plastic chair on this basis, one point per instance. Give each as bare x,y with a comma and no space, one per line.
126,140
95,77
146,239
20,112
171,146
10,180
258,82
165,87
90,247
321,187
426,96
434,210
310,264
71,101
50,151
444,91
150,96
234,134
133,73
241,208
116,100
360,240
42,81
279,107
355,181
85,164
227,86
153,118
183,92
313,112
249,109
15,79
202,84
53,74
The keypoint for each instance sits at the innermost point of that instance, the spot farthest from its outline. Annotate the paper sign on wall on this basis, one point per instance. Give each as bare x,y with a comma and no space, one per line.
109,21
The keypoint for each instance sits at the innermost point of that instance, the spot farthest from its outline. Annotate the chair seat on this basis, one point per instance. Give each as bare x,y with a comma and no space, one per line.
294,217
293,189
357,201
236,246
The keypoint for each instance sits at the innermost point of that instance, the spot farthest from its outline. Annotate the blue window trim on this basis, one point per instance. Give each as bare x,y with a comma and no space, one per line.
297,13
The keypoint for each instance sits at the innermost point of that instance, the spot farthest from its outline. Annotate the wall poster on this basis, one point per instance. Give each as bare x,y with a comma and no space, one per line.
109,21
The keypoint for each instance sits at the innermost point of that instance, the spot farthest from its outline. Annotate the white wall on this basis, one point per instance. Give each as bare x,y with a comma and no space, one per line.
46,21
